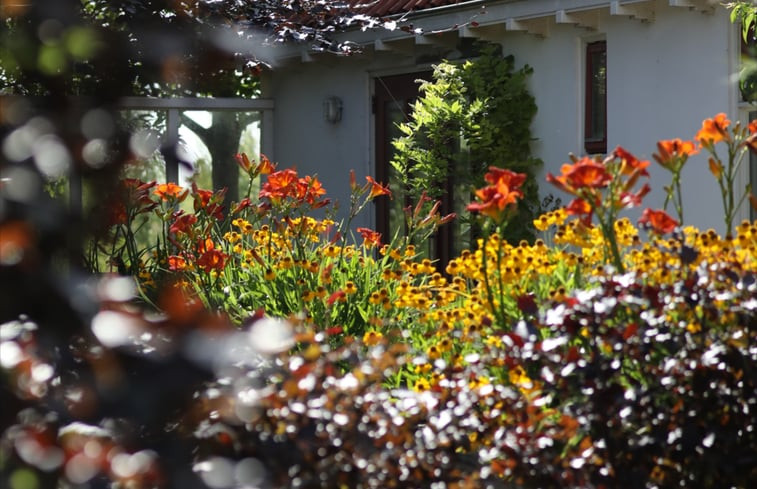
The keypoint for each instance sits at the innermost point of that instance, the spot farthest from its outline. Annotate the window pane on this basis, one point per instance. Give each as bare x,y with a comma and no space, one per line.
148,129
598,95
208,142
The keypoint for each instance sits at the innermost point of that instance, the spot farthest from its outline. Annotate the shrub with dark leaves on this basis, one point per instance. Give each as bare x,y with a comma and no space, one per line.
660,379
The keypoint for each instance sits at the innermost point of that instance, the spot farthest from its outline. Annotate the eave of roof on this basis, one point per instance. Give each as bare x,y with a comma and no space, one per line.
382,8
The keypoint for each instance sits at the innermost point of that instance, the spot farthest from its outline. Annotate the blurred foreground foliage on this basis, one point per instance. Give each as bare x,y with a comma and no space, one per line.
536,365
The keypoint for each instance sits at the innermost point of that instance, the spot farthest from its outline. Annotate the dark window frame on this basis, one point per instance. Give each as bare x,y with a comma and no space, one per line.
594,145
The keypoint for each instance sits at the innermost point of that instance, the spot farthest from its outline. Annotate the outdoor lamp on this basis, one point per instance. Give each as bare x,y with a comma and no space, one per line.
332,109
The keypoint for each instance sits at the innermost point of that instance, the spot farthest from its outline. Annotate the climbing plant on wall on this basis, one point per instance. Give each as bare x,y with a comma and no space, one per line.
745,14
469,117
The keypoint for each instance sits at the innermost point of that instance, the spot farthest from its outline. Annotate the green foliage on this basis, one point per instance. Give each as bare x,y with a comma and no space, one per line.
470,117
745,13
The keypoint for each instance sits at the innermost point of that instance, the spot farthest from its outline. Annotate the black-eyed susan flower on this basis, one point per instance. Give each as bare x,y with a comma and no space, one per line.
372,338
421,385
433,352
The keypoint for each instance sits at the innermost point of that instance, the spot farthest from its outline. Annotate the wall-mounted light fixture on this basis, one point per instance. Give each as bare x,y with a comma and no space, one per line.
332,109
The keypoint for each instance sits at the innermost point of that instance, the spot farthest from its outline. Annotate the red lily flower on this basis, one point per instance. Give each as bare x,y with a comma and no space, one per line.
504,191
309,189
582,209
630,164
585,173
658,220
182,223
279,185
371,238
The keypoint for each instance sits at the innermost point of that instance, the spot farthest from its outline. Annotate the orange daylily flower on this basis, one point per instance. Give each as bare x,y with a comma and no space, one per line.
285,183
714,130
309,189
631,165
265,167
182,223
212,259
371,238
377,189
280,184
716,168
512,179
658,220
585,173
631,199
177,263
751,140
209,201
582,209
503,192
671,150
171,192
244,162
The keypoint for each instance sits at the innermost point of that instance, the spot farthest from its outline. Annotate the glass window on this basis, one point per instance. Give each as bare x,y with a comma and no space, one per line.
208,141
595,133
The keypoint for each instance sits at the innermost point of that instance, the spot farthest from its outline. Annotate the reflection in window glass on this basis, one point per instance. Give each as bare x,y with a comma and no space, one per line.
148,129
209,140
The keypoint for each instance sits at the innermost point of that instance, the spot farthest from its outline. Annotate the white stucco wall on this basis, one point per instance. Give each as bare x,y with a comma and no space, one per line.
302,137
664,77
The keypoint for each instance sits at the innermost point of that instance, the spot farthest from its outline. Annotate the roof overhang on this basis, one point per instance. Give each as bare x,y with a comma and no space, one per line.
444,25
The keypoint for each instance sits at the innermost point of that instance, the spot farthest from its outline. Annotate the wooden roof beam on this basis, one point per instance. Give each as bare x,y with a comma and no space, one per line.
491,32
640,11
403,45
587,20
446,39
704,6
538,27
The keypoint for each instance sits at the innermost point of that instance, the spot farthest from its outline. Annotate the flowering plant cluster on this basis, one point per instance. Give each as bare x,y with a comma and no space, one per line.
311,358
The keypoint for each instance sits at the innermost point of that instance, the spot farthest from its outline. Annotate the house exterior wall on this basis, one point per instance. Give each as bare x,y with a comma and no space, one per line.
664,77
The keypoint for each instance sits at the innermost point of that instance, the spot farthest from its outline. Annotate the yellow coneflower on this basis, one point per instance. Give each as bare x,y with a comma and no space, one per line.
433,352
422,368
421,385
445,345
372,338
